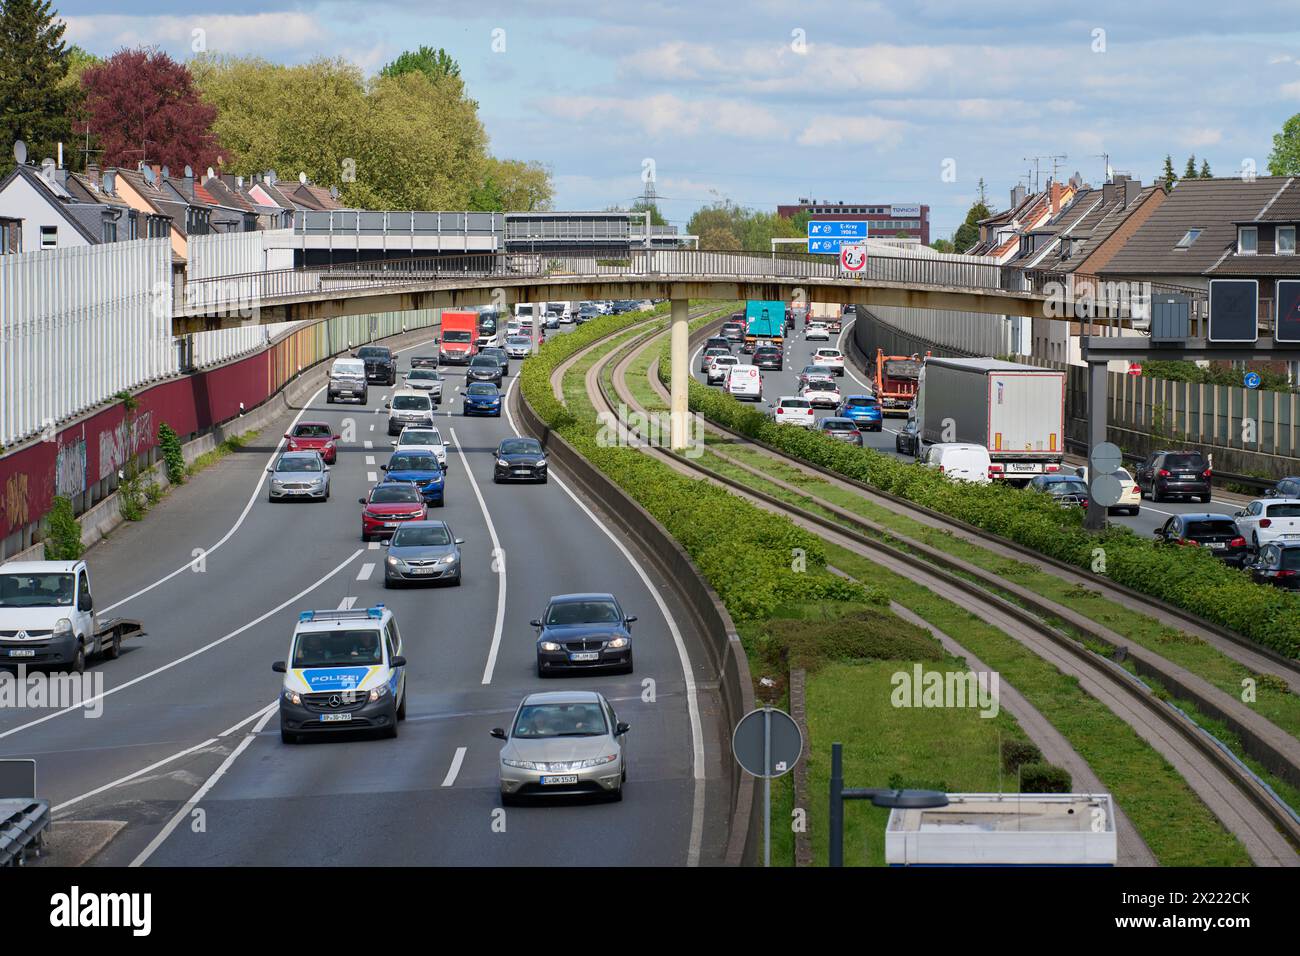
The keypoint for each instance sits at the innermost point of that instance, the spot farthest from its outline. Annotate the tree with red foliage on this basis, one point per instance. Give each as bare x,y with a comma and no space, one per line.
143,105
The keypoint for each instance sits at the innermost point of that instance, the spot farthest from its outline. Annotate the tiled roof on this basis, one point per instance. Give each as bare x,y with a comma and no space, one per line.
1286,207
1211,205
1257,265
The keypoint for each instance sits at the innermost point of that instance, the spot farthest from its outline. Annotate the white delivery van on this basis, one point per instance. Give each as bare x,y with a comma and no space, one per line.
744,381
960,462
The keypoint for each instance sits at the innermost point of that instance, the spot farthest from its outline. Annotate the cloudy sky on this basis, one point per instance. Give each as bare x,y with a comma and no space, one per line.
764,102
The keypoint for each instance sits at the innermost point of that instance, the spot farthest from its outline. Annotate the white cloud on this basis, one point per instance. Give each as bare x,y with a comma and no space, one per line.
832,129
1204,136
253,33
667,115
1290,90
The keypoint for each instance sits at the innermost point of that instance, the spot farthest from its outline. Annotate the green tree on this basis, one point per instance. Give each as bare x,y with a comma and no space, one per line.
656,217
943,245
1285,158
718,239
435,64
1189,171
34,99
1168,175
968,233
509,185
1205,170
85,147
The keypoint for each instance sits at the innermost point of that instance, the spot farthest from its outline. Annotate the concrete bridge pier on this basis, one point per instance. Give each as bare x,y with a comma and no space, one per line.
680,431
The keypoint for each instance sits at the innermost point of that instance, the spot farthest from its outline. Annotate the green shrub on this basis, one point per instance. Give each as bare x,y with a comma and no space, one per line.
860,635
745,553
170,443
1017,753
63,543
1044,778
1190,578
153,492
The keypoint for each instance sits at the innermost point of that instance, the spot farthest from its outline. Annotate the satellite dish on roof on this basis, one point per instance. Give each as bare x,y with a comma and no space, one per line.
189,172
334,192
20,151
302,178
147,172
212,173
166,172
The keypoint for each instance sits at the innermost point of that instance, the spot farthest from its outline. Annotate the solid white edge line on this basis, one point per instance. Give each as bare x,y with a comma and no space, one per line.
208,784
257,489
454,770
692,694
192,654
498,556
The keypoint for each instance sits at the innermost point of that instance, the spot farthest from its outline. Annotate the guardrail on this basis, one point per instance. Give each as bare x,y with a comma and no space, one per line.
23,822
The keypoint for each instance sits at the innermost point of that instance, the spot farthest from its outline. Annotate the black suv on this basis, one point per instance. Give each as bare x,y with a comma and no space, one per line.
769,358
1216,532
1285,488
380,365
1167,474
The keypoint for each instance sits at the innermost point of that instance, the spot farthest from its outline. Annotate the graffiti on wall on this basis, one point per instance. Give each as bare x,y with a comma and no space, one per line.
14,508
116,447
70,469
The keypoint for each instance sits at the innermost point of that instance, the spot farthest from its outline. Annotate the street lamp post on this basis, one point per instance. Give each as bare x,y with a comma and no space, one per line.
879,796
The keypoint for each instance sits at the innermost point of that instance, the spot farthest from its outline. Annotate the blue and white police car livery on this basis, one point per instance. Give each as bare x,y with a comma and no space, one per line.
345,672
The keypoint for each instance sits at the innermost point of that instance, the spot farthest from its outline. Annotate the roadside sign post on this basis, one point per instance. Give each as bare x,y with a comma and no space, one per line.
767,743
853,259
1251,380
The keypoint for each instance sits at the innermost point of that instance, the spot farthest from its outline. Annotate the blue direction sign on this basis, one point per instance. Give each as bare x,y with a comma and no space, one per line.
1252,380
830,246
837,228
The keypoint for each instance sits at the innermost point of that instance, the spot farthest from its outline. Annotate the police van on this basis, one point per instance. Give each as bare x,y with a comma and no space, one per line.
345,672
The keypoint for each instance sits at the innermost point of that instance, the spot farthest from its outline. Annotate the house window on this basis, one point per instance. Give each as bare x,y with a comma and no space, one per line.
1286,240
1190,236
110,231
49,237
1247,241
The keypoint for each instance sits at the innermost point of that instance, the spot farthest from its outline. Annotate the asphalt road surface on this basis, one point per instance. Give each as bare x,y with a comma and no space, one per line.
187,751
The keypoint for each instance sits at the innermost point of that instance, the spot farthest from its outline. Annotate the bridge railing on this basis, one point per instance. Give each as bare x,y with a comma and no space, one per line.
270,286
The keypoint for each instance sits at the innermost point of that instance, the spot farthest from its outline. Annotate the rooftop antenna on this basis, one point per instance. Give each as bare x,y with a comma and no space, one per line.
1105,157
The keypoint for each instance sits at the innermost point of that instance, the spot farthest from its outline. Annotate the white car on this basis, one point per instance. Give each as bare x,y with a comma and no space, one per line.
960,462
1270,521
1130,497
794,410
821,393
408,407
744,381
519,346
422,439
833,359
718,368
425,380
818,331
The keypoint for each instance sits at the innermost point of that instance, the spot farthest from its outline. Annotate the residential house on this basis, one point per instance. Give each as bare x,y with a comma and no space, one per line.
1001,234
52,208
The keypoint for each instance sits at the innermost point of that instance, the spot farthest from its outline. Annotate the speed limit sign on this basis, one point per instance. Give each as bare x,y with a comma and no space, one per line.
853,258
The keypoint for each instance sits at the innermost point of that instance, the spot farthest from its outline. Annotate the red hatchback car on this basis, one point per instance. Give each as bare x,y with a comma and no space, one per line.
388,506
314,436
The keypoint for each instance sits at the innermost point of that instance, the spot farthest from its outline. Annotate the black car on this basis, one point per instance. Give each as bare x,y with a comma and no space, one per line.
624,305
1167,474
586,312
583,632
1216,532
1278,565
380,365
485,368
769,358
500,355
907,442
519,459
1068,490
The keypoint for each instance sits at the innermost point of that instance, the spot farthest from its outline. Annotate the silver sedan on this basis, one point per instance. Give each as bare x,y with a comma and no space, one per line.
299,474
423,551
563,743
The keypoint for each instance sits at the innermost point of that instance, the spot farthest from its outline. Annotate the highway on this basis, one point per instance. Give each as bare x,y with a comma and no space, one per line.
187,751
799,352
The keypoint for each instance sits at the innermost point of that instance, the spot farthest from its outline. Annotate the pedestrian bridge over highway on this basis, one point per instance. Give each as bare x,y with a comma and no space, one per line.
309,294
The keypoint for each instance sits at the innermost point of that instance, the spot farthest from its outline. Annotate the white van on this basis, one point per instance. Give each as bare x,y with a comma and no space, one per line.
959,462
744,381
347,380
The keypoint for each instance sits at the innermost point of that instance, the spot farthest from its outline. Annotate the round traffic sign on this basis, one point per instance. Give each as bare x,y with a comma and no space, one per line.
1252,380
1106,490
1106,458
748,743
1135,369
853,258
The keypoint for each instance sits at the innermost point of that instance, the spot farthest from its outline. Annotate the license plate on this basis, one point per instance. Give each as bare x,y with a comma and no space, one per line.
1185,477
1023,466
335,718
522,471
423,570
391,524
585,656
561,779
1217,545
22,653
